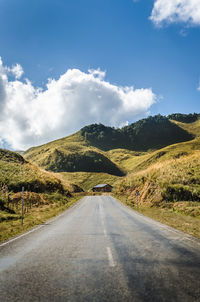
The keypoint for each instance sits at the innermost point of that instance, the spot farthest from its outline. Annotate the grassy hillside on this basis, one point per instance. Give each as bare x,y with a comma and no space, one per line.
17,172
170,180
97,148
132,161
72,154
173,170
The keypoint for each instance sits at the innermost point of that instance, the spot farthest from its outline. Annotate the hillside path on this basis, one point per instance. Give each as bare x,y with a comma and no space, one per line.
101,250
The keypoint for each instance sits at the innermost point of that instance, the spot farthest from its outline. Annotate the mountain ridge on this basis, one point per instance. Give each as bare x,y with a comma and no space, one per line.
92,148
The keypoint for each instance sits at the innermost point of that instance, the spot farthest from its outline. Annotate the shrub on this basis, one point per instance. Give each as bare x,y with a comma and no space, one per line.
179,192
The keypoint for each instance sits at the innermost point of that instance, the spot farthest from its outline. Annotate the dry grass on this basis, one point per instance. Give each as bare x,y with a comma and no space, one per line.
183,172
187,224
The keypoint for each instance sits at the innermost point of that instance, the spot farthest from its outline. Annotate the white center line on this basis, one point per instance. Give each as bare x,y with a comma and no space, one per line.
110,257
104,231
109,252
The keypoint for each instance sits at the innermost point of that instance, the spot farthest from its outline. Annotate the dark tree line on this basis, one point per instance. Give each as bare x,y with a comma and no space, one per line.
151,133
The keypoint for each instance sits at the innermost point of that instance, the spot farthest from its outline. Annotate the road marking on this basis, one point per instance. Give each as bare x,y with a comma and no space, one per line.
104,231
102,220
40,226
21,235
110,257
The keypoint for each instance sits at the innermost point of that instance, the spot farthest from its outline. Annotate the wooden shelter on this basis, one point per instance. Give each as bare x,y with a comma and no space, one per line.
102,188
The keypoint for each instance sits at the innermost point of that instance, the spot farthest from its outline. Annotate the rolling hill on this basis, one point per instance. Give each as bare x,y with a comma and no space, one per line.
169,175
97,148
17,172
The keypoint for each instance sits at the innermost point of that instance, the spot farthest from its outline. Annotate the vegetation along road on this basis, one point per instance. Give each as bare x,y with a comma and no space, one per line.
100,250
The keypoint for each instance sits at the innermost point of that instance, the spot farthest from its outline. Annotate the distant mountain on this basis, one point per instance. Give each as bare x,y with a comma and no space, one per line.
92,149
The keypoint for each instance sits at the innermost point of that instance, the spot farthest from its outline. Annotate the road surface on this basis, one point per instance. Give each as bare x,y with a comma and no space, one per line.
100,250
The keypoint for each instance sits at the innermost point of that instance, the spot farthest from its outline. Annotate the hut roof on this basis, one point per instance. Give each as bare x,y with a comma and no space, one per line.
101,185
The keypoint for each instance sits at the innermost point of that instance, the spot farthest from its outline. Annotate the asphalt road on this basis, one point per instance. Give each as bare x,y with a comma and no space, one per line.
100,250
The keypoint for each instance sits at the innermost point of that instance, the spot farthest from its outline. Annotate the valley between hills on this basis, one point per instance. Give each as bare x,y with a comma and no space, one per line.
159,156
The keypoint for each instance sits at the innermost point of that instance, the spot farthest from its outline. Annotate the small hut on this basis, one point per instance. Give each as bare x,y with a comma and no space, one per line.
102,188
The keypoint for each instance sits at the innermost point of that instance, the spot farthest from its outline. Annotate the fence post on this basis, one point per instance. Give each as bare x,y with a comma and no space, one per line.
22,205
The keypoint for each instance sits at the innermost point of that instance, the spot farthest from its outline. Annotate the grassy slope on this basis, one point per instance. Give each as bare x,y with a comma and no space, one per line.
87,180
131,161
72,154
44,196
88,149
17,172
175,165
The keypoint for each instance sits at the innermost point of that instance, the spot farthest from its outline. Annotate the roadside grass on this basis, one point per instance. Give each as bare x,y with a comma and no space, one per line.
168,215
10,224
182,222
173,180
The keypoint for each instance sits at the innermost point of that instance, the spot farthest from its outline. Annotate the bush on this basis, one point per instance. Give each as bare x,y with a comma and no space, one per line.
180,193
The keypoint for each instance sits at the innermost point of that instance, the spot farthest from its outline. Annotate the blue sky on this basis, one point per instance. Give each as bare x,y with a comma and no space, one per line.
49,37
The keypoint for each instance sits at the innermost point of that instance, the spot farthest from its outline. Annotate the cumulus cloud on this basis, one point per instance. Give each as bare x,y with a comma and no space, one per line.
187,11
32,116
17,71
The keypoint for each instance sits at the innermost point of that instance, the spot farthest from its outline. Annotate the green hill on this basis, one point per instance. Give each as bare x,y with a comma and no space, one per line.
94,147
72,154
17,172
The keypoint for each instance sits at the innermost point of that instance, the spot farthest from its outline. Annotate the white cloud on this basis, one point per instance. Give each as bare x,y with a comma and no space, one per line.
17,71
170,11
31,116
